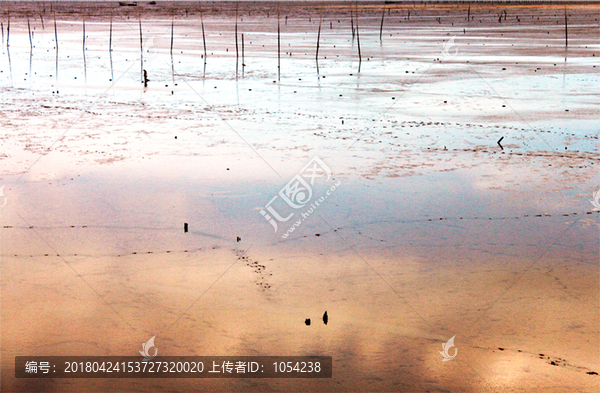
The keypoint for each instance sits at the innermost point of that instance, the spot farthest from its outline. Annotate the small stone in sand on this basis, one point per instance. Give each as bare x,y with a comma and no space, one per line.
307,321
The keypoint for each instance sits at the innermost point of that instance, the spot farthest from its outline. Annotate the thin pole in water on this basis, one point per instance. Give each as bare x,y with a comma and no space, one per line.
278,46
110,34
172,27
112,76
55,32
172,62
29,31
352,23
203,36
318,42
30,49
56,42
358,41
566,29
84,60
236,40
8,31
141,47
381,28
243,61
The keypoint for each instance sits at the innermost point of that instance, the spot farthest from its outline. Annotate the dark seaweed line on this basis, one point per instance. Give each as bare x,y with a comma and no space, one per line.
395,221
111,255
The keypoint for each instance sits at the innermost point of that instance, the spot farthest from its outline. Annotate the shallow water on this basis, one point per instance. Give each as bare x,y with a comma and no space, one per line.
434,230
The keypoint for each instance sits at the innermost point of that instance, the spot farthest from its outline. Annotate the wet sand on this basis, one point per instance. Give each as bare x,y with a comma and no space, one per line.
434,231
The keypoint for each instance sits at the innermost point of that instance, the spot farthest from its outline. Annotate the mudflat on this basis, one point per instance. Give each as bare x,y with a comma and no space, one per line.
436,162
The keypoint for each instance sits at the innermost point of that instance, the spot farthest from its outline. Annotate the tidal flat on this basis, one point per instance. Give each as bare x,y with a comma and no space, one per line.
457,155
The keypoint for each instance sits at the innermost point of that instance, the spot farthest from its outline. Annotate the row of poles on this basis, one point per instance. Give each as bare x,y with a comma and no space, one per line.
237,46
354,23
